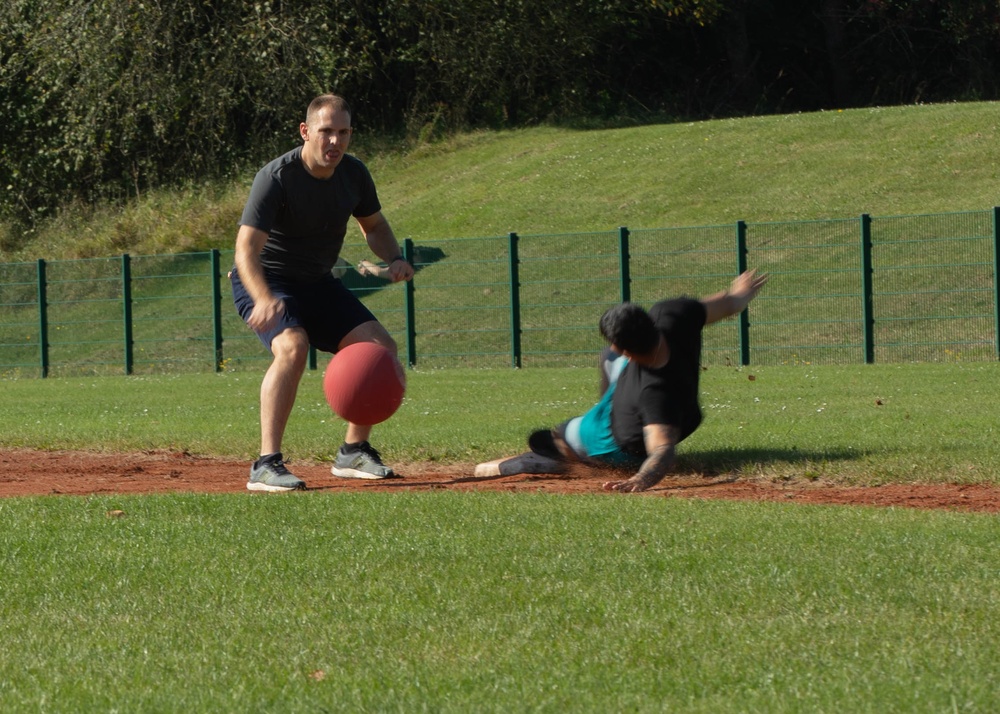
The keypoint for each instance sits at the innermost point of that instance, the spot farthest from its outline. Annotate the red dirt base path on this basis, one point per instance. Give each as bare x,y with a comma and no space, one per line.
28,472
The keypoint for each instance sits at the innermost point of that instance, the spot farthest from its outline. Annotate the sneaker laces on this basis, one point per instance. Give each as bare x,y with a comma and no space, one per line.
277,464
366,448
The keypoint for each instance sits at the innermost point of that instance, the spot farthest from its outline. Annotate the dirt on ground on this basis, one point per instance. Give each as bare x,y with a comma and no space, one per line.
29,472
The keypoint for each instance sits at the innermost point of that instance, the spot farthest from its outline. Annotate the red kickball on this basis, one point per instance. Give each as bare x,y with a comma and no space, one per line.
363,384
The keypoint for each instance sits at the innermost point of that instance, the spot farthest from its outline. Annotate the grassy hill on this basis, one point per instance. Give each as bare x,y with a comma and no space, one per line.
883,161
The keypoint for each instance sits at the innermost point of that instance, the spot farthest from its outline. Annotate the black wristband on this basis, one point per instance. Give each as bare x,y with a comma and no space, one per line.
398,257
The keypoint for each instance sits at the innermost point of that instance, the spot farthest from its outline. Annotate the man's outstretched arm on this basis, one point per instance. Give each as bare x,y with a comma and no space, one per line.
661,441
734,300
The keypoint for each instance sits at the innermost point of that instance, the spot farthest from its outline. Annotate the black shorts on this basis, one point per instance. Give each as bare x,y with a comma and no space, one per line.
326,310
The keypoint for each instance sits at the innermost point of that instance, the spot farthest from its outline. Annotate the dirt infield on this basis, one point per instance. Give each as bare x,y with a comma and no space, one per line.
28,472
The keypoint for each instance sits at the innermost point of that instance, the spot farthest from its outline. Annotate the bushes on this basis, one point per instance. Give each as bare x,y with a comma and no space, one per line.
102,99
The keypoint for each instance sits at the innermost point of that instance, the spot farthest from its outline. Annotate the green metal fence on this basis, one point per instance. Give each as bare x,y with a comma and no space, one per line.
890,289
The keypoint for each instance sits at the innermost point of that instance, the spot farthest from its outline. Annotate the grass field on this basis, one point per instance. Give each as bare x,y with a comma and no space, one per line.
441,601
448,602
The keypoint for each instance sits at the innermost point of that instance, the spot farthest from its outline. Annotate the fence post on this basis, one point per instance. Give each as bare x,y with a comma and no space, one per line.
741,266
996,277
127,312
515,301
867,290
216,308
624,266
43,318
409,297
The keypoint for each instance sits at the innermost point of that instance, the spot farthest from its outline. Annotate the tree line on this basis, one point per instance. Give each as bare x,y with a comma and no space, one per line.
103,99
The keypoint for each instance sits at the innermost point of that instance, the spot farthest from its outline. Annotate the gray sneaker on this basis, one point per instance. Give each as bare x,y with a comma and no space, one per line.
272,476
362,461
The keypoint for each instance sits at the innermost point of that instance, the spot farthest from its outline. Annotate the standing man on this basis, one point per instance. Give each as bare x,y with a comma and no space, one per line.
290,236
649,383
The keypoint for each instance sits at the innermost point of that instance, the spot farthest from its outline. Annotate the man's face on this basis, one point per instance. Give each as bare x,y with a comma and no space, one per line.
327,136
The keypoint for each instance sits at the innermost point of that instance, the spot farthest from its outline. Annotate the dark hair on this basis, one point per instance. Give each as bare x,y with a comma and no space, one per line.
630,328
333,101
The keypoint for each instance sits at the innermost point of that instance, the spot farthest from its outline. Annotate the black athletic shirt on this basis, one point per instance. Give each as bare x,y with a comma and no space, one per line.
668,395
306,217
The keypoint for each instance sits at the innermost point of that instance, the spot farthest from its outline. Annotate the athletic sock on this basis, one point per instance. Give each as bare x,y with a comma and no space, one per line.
269,458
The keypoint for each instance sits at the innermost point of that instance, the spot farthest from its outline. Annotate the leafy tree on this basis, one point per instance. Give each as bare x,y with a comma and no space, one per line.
102,99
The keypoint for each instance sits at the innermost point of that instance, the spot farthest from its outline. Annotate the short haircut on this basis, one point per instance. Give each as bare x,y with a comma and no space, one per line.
629,328
333,101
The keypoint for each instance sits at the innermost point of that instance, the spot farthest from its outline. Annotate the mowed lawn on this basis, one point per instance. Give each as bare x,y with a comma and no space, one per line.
440,601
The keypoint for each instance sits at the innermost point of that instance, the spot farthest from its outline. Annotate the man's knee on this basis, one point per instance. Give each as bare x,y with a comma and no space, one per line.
291,347
371,331
390,344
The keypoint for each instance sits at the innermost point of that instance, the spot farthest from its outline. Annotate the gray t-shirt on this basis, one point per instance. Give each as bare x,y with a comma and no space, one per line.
306,217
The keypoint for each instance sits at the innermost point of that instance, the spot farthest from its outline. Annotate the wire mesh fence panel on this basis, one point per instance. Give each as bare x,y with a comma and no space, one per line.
890,289
86,318
172,313
20,326
811,310
462,300
566,283
934,288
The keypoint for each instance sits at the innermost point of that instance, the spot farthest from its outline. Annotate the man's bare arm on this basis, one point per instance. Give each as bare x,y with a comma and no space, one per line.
266,308
734,300
382,242
661,441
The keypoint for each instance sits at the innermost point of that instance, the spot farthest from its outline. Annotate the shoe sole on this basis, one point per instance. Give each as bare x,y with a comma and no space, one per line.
354,473
259,486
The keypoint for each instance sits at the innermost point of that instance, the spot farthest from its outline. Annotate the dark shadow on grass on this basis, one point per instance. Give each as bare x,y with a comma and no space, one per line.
727,461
